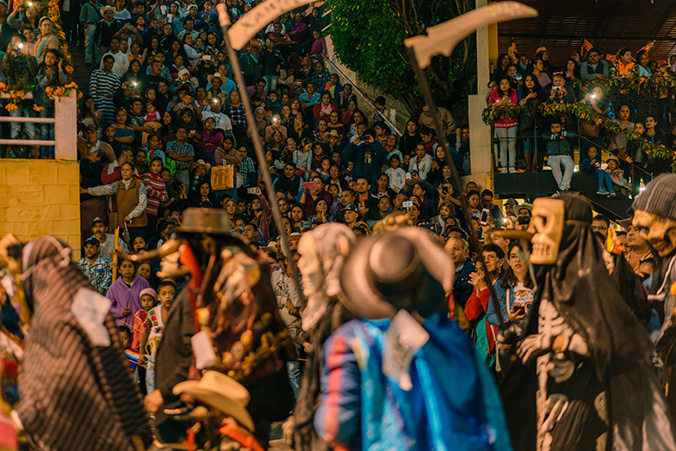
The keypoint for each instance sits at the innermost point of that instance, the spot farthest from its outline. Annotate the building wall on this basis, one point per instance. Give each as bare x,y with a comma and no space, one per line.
40,197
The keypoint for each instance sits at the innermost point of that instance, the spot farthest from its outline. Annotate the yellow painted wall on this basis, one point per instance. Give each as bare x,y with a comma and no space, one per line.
40,197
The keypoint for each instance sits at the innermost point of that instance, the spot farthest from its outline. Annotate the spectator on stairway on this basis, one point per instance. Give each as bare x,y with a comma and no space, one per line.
102,85
106,28
6,31
530,97
505,128
619,140
445,116
594,68
559,154
24,16
121,63
591,165
538,70
616,173
47,40
20,70
89,17
641,68
624,64
90,142
132,200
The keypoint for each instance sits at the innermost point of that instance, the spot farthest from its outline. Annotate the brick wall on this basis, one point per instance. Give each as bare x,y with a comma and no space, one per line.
40,197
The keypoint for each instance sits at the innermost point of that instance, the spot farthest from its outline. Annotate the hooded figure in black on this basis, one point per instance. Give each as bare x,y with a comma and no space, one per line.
582,379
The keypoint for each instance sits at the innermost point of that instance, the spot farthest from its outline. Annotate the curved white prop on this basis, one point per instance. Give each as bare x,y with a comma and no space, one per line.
255,20
442,39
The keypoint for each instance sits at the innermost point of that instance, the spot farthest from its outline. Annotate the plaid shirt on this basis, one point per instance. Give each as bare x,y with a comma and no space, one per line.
236,113
246,167
185,148
100,274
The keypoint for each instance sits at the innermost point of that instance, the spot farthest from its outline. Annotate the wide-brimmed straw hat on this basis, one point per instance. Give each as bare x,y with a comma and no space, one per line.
400,269
221,392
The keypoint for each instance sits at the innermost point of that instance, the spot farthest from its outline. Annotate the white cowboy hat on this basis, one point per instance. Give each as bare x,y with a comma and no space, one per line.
221,392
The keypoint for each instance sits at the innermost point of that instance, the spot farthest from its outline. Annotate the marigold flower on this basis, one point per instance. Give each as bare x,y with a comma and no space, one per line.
11,107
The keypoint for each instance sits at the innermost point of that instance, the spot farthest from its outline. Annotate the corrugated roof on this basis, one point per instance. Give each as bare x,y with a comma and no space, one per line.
608,24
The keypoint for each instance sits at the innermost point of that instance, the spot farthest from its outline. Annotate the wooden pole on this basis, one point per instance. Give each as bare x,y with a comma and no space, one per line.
258,146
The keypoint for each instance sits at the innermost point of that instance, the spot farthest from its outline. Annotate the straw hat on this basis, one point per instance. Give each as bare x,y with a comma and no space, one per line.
221,392
199,163
211,78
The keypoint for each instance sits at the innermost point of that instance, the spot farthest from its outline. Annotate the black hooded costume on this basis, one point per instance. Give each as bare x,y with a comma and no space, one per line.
611,394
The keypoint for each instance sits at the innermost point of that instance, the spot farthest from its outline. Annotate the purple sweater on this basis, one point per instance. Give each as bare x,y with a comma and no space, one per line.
124,296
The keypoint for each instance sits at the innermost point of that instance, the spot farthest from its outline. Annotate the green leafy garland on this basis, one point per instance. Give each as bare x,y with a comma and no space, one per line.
583,112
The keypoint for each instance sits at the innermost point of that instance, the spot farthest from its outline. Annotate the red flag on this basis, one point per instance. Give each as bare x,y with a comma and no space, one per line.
647,47
610,58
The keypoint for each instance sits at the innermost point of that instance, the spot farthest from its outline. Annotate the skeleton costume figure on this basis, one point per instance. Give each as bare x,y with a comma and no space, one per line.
655,218
322,253
583,377
230,298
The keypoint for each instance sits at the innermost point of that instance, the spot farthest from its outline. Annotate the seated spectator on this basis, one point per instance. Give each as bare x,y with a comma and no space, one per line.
559,154
592,166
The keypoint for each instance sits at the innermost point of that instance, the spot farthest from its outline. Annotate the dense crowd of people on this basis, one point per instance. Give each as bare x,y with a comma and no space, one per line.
379,233
163,116
542,127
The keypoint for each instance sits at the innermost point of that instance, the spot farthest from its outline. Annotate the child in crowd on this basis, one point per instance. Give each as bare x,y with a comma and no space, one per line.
153,327
616,174
396,174
148,299
153,118
303,157
592,166
125,341
156,192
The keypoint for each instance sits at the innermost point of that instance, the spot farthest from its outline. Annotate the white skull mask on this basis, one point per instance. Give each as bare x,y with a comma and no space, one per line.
322,252
660,232
547,227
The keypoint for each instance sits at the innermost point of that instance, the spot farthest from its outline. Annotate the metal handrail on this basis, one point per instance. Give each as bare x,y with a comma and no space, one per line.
635,170
362,95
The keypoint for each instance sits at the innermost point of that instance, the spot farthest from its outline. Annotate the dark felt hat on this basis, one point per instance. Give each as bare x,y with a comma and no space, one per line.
401,269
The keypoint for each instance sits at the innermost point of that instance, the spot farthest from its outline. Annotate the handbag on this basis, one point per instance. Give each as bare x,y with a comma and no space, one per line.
222,177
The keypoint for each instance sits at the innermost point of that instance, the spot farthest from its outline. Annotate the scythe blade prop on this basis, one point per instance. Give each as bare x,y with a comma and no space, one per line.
442,39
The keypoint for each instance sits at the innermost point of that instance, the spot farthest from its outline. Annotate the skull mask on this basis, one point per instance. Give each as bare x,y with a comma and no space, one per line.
547,227
322,252
660,232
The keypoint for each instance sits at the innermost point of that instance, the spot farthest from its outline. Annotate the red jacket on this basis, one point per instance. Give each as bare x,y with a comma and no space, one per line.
475,308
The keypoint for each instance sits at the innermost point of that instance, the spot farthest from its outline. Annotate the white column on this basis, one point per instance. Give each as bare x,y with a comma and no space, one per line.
65,127
480,133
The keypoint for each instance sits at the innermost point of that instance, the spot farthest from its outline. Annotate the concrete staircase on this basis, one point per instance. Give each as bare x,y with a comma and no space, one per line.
82,72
